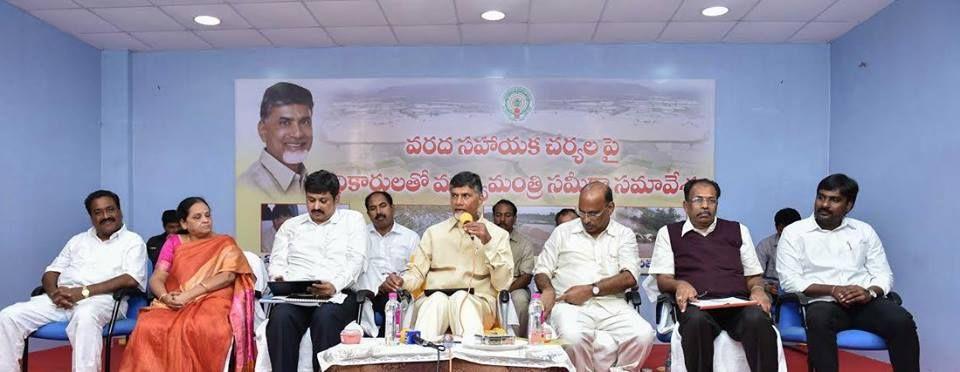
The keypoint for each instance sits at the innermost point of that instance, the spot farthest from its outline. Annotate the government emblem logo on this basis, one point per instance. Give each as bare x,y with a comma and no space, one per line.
517,103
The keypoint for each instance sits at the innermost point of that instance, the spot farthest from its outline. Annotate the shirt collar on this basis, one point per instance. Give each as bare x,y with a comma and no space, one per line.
688,226
373,229
332,220
514,235
814,226
280,172
578,228
115,235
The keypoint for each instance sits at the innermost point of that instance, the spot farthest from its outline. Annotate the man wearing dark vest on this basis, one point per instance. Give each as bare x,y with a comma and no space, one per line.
707,257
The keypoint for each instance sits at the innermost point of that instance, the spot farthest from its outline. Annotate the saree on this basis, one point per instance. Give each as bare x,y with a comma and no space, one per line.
198,336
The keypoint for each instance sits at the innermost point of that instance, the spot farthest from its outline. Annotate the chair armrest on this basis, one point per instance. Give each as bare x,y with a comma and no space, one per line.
37,291
364,295
504,296
126,292
404,295
634,298
893,296
666,299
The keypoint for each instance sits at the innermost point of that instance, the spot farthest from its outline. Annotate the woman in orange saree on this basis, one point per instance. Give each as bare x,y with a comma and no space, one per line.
204,305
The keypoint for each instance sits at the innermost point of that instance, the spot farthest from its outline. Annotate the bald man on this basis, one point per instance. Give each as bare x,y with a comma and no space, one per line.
584,269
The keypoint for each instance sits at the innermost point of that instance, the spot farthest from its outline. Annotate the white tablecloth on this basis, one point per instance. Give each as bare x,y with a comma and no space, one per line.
374,351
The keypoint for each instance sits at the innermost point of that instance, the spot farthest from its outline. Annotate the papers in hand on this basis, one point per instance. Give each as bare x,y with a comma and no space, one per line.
720,303
337,299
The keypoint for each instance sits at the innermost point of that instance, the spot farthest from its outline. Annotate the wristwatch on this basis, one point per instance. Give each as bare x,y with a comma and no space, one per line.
85,292
596,289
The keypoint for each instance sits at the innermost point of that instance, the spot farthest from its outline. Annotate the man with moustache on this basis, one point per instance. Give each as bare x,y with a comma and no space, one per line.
78,286
389,249
505,216
286,129
839,266
326,245
461,267
591,262
707,257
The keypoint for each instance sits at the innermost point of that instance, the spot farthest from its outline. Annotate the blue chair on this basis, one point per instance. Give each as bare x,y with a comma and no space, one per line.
792,326
115,328
666,299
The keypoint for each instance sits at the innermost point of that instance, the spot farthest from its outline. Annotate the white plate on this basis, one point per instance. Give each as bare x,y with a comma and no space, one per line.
517,344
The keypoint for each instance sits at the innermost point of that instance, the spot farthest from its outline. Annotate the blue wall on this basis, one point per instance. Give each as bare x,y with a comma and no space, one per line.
49,145
895,129
772,111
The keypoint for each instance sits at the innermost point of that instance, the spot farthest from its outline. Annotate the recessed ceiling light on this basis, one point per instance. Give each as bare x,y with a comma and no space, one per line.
207,20
493,15
715,11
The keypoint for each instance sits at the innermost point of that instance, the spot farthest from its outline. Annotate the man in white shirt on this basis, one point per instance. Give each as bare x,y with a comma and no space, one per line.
591,262
326,245
78,286
390,247
839,265
707,257
286,129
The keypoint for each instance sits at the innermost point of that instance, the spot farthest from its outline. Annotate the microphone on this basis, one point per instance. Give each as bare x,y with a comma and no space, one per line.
466,218
420,341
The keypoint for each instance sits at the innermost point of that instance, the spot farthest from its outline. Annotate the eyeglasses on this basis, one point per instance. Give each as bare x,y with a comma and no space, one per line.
594,214
700,200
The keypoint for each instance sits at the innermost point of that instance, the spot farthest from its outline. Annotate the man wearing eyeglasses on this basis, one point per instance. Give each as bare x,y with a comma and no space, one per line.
585,268
707,257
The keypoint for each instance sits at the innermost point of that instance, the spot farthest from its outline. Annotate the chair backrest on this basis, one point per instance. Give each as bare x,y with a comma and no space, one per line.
259,271
790,315
135,302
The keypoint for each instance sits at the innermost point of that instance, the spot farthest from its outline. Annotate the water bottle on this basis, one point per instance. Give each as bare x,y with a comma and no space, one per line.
393,318
535,320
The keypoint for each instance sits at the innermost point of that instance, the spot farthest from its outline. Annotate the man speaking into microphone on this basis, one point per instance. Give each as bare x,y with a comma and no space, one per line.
461,264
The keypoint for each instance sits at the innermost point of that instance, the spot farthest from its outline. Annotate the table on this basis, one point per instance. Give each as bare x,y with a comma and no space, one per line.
373,354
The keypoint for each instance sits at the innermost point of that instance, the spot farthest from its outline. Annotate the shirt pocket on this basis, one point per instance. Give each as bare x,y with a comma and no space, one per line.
611,262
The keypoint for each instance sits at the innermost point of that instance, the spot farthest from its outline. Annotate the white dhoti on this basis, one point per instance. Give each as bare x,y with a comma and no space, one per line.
583,327
84,330
465,314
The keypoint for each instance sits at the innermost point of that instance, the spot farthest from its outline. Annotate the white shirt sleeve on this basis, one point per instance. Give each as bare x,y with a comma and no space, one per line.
135,263
661,262
62,261
789,264
355,255
748,254
629,254
876,262
547,260
281,250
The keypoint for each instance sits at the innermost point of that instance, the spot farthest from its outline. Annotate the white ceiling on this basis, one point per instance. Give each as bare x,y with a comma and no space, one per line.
144,25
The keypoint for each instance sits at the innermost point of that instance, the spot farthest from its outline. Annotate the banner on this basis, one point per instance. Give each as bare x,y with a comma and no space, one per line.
535,142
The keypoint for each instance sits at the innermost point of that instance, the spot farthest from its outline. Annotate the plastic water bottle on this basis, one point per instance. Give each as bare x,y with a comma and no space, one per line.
393,318
535,320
